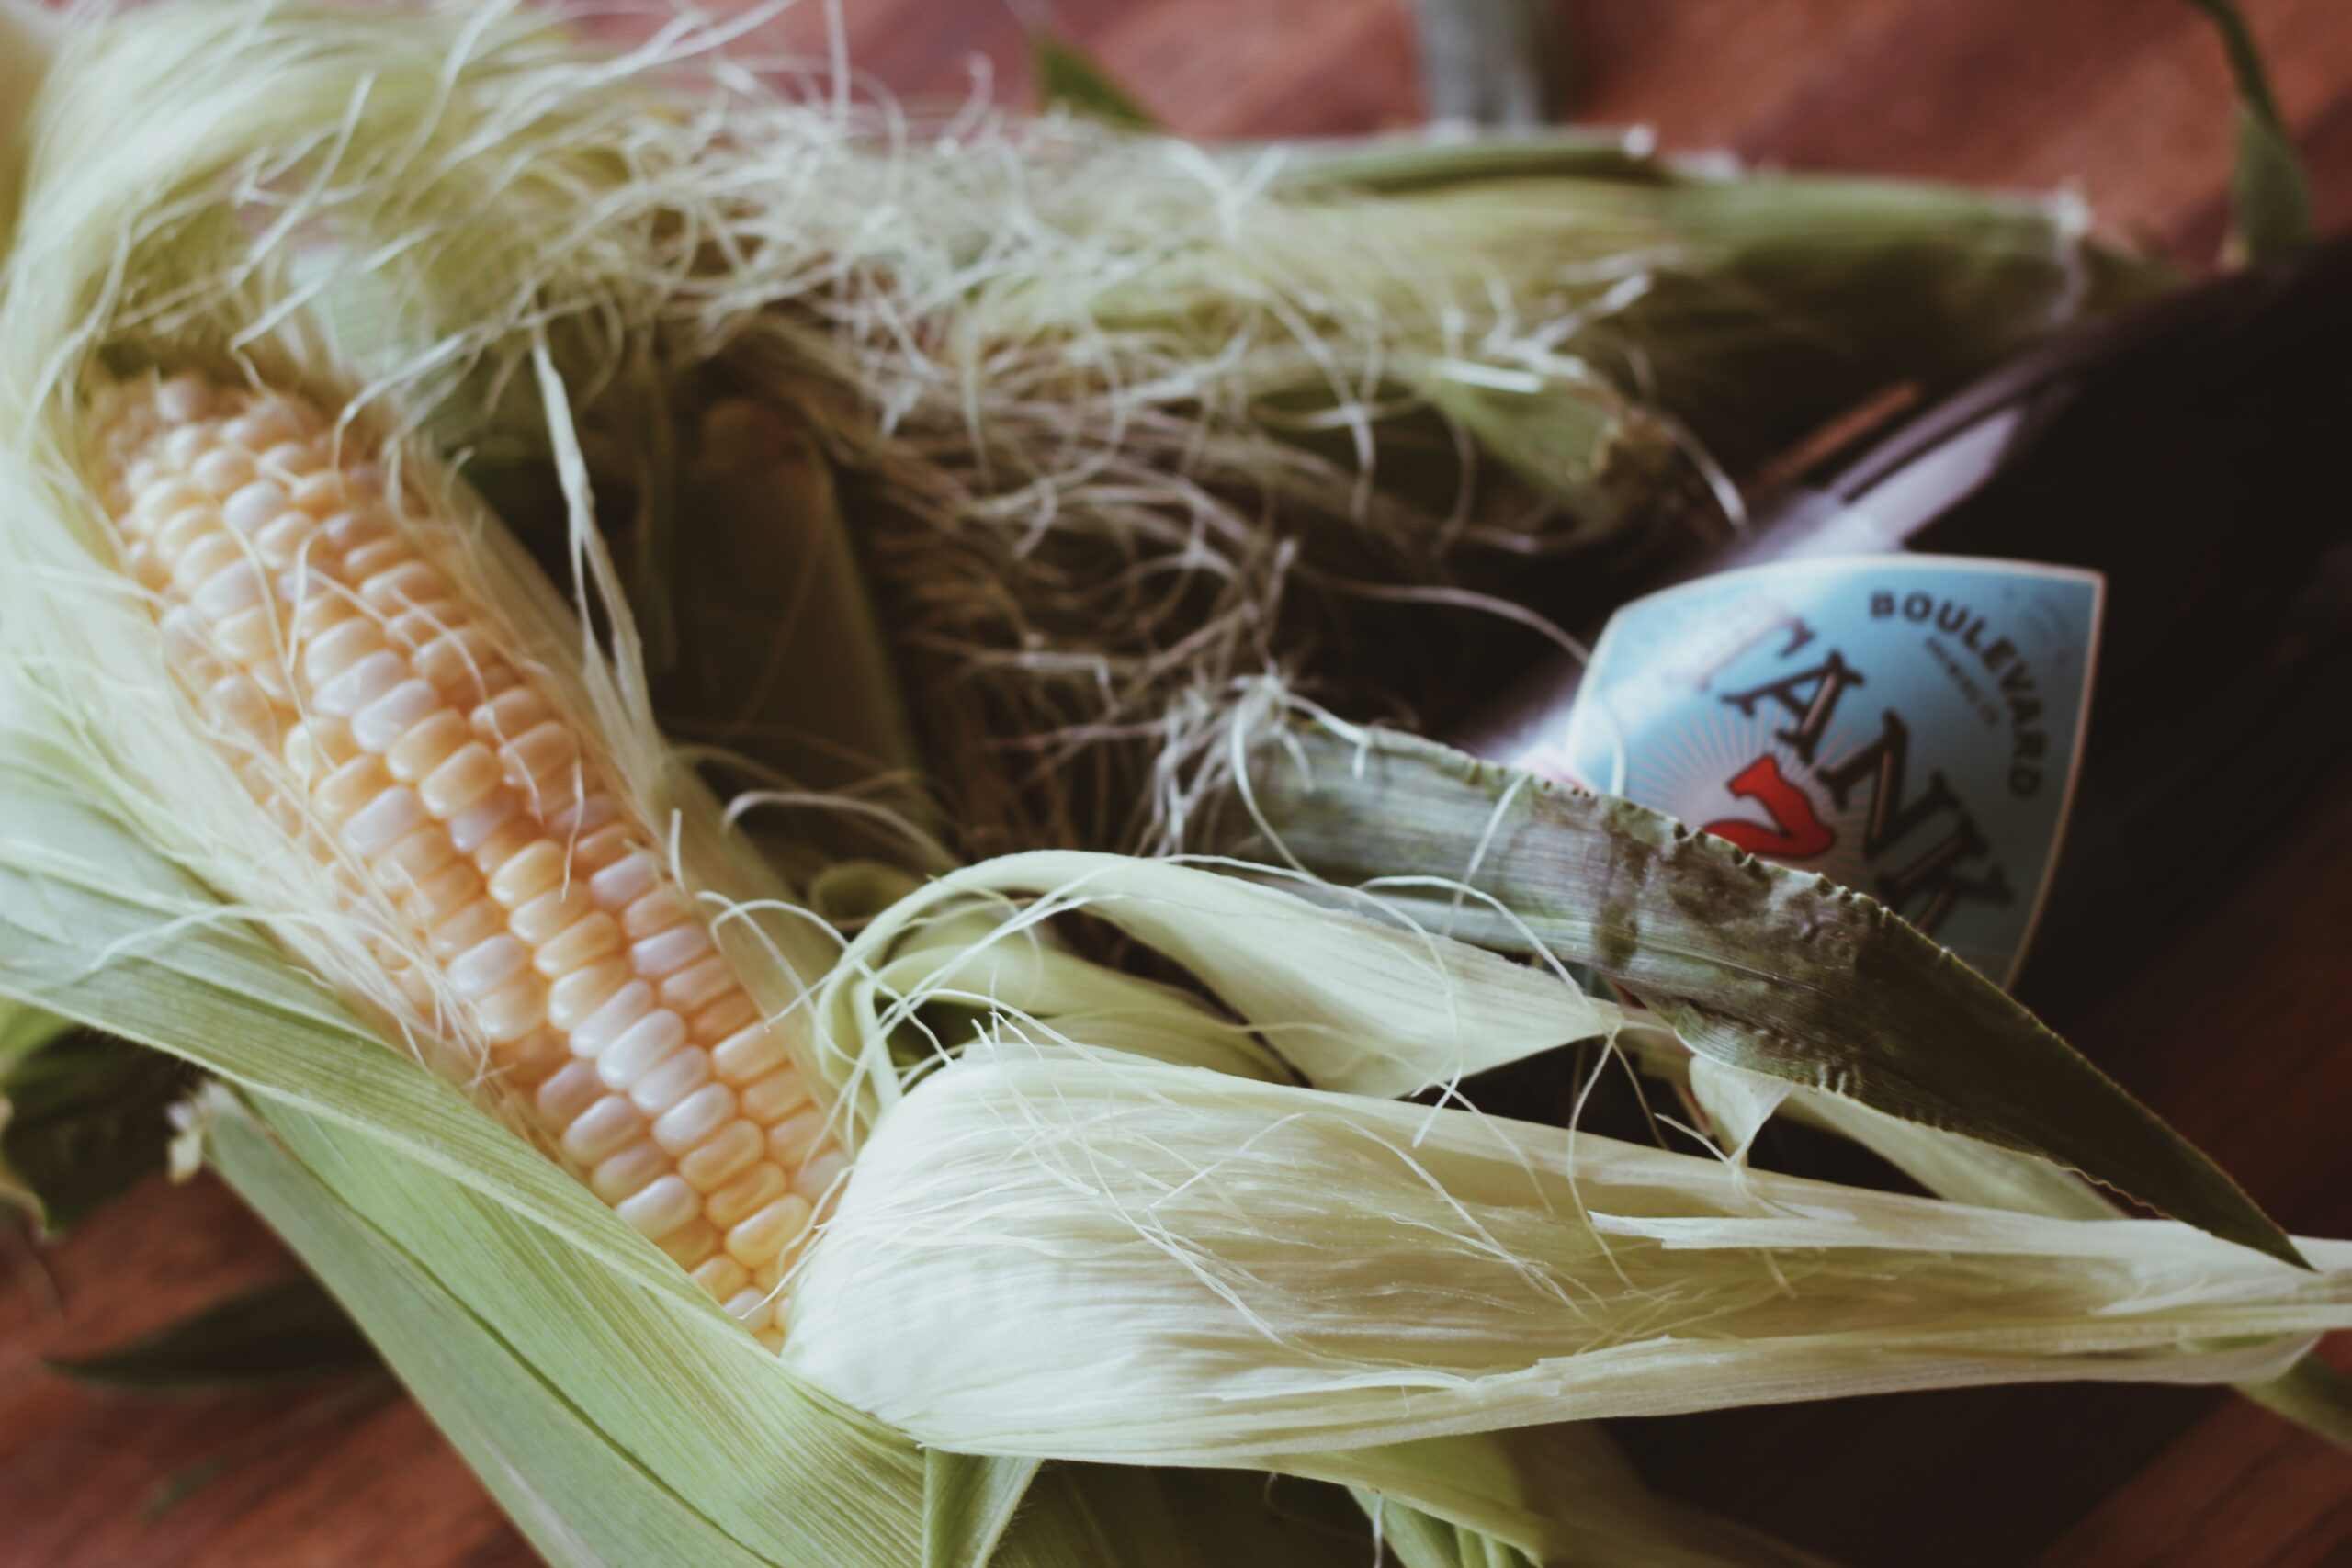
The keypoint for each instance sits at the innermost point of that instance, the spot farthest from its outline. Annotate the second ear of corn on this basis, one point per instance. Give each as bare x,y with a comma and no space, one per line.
378,714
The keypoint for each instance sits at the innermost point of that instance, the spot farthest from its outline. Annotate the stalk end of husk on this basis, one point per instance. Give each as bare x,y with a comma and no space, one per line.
28,39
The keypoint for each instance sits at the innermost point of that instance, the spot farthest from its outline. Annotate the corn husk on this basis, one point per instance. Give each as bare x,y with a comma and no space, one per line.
1853,1001
28,38
1263,1247
1120,419
615,1412
1059,1157
2311,1393
1157,1263
362,1159
1351,1004
548,1338
1480,851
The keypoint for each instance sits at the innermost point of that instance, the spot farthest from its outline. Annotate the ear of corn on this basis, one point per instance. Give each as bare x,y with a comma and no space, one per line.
397,737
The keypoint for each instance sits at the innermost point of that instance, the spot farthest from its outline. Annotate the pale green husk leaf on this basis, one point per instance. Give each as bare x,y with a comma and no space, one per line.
968,1502
1164,1263
2310,1393
2270,196
1356,1001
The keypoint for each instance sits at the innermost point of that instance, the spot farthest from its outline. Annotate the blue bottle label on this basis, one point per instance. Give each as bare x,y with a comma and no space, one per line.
1907,726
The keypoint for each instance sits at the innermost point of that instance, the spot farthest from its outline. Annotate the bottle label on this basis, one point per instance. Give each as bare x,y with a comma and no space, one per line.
1907,726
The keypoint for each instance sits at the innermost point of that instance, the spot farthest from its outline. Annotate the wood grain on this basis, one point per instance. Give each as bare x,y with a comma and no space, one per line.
330,1477
2123,100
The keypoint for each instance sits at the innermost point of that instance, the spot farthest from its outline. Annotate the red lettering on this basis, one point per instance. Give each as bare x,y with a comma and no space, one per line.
1794,832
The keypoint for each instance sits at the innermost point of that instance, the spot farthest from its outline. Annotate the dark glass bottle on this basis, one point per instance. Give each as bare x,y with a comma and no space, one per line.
2194,454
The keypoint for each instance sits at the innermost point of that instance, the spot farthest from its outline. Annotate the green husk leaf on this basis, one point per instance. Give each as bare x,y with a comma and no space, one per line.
1068,78
1423,1541
1794,295
1320,984
696,1401
968,1501
781,659
289,1331
1950,1165
25,1030
574,1488
1352,1001
1596,455
82,1118
1396,165
776,663
1755,965
2270,210
2314,1394
1561,1493
1745,309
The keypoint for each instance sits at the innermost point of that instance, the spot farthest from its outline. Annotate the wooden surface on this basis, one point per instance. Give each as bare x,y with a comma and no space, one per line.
2125,100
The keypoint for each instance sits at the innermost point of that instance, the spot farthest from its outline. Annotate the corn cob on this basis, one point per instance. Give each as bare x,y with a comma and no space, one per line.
386,721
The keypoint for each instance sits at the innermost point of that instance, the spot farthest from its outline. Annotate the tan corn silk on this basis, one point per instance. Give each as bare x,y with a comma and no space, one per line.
385,713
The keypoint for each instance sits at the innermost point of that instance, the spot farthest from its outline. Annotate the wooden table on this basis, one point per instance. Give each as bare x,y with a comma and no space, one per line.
2125,99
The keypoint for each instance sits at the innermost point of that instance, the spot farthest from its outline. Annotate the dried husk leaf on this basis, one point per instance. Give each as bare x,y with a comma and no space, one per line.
1754,964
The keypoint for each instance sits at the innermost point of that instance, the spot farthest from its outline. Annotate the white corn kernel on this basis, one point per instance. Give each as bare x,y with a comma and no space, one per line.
661,1208
670,1081
640,1047
602,1129
382,722
383,821
624,882
696,1118
671,949
606,1024
486,965
362,683
630,1171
